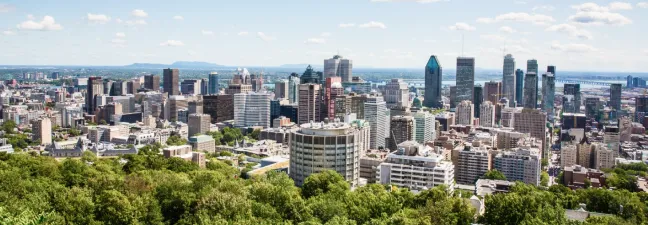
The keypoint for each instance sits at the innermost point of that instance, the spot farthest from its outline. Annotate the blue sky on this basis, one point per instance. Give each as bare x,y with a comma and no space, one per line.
573,35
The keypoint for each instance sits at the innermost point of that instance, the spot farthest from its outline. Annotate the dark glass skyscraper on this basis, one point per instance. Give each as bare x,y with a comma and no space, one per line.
530,90
615,96
519,86
152,82
213,83
433,78
465,78
171,81
571,98
95,87
478,98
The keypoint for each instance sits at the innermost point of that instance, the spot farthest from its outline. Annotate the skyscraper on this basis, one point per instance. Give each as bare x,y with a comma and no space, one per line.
402,128
310,76
615,97
152,82
333,88
425,127
551,69
530,90
433,78
198,124
219,107
465,113
487,114
629,81
548,96
338,66
293,88
42,130
532,66
571,98
309,103
281,89
397,94
519,87
256,81
492,91
377,115
191,86
508,79
95,87
252,109
465,78
591,107
478,99
213,83
171,81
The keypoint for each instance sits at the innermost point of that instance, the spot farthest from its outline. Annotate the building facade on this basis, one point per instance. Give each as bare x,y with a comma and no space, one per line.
171,81
508,79
433,78
465,78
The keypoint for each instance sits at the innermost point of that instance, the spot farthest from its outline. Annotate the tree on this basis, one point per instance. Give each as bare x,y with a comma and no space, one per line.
494,175
544,179
74,132
216,135
175,140
545,162
254,134
320,183
8,126
587,183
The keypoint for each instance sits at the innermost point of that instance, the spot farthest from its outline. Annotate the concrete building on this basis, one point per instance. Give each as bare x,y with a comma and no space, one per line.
185,152
204,143
110,111
534,122
433,78
575,177
171,81
369,164
471,165
336,146
402,128
465,78
615,96
42,130
196,106
338,67
487,117
522,164
219,107
281,89
508,139
508,79
493,91
425,127
604,156
174,104
309,103
416,167
378,117
465,113
396,94
293,88
152,82
531,90
198,124
332,89
252,109
191,87
94,88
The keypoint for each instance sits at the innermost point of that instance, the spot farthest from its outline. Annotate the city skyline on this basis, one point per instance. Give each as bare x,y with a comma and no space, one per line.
578,36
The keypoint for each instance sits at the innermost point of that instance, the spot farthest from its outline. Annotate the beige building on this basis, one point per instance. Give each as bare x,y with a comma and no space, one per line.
309,103
532,121
369,165
471,165
203,143
604,156
42,130
199,124
465,113
402,128
487,114
185,152
508,139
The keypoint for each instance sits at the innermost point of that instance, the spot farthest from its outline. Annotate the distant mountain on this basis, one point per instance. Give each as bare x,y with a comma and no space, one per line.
302,65
179,64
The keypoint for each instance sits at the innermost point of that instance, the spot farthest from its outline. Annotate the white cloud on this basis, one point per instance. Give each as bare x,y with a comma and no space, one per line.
8,32
373,24
544,7
6,8
242,33
499,38
507,29
265,37
643,5
315,41
462,26
207,32
98,18
591,13
571,30
620,6
120,35
118,41
172,43
118,20
178,18
575,48
418,1
325,34
346,25
48,23
139,13
136,22
538,19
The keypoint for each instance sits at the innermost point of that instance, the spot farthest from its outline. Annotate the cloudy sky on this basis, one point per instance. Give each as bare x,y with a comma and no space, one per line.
573,35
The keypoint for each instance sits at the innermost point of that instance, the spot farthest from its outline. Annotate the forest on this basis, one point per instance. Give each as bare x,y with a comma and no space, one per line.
150,189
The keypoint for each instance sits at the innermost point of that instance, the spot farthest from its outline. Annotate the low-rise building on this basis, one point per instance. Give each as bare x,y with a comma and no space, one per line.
185,152
203,142
577,176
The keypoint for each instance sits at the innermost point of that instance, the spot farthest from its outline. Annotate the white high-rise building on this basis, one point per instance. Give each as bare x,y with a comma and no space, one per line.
487,114
520,165
293,89
465,113
604,156
508,79
397,94
377,115
252,109
416,167
425,127
337,146
42,130
338,66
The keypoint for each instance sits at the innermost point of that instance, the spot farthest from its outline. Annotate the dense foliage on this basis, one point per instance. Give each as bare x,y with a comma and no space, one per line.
494,175
150,189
